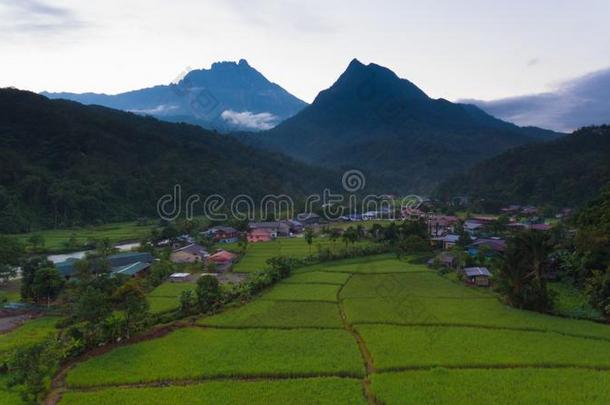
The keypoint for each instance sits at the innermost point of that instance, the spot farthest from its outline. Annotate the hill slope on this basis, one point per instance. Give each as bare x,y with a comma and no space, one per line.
376,122
229,96
564,172
62,163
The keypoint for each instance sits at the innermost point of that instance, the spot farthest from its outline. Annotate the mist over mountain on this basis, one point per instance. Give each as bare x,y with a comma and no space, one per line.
574,104
228,96
372,120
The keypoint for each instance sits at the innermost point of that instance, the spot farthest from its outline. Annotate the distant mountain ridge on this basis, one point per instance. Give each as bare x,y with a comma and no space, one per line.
564,172
66,164
372,120
228,96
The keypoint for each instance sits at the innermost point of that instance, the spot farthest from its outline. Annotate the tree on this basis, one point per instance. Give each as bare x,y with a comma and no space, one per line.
29,268
47,284
11,252
104,247
521,279
30,368
208,293
187,302
597,289
308,234
37,242
93,306
131,299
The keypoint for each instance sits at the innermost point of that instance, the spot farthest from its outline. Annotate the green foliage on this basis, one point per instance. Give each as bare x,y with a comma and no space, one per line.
31,332
598,290
29,269
131,300
11,251
187,302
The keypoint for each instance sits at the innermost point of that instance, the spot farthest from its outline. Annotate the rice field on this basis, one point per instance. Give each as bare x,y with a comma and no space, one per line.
278,314
321,335
257,254
493,386
303,292
323,391
166,296
396,347
194,353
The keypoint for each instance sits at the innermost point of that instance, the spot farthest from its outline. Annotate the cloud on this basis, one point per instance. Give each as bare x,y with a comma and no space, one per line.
248,120
35,17
572,104
533,62
161,109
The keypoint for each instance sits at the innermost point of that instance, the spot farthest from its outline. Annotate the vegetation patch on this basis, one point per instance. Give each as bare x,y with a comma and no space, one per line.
329,391
278,314
303,292
450,311
191,353
396,347
498,386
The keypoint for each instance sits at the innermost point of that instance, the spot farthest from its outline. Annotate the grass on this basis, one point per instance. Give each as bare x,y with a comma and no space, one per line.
399,347
278,314
32,331
318,277
327,391
303,292
116,232
191,353
257,254
407,285
494,387
475,312
159,305
572,302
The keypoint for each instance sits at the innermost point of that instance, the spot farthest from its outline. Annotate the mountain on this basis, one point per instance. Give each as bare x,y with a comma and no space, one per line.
229,96
64,163
371,120
564,172
577,103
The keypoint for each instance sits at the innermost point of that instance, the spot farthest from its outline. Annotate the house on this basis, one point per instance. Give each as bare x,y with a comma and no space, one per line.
445,242
478,276
295,226
541,227
439,225
189,254
308,218
132,264
444,260
261,235
495,245
472,225
223,234
222,259
279,228
179,277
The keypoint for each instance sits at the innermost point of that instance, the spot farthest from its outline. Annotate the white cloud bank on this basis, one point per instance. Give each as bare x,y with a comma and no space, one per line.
249,120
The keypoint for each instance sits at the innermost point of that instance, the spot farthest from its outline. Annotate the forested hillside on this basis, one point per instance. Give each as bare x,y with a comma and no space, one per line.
565,172
63,164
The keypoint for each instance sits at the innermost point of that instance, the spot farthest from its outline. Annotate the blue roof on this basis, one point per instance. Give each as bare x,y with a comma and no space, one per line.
67,269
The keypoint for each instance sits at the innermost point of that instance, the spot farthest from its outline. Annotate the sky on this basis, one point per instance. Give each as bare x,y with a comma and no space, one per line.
452,49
